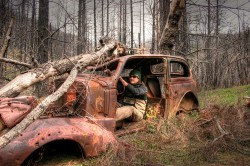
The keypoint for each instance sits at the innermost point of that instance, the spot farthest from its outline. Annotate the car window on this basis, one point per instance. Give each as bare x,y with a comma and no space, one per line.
102,70
157,68
178,69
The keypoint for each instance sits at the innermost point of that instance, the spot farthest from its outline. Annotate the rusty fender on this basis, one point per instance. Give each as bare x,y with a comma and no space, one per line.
92,138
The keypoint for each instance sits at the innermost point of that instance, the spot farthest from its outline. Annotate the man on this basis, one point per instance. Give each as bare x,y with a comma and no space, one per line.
134,98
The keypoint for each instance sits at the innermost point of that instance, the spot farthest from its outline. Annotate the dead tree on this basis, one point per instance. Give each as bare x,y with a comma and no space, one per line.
170,30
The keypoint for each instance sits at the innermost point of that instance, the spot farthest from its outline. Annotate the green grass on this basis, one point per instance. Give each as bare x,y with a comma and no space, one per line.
226,96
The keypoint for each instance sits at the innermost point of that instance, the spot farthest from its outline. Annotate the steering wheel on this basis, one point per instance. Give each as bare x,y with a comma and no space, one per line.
120,88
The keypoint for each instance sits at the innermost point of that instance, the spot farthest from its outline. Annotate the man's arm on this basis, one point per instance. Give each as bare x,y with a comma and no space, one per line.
141,90
134,90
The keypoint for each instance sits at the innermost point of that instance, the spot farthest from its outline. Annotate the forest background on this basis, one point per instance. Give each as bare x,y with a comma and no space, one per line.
213,34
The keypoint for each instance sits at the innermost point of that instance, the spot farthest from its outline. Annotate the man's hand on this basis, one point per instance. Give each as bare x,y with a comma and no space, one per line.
108,72
124,83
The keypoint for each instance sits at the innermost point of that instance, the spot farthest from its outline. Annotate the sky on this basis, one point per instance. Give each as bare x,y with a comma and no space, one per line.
231,16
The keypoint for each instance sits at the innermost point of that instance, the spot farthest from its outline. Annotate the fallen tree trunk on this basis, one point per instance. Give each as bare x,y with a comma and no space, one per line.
83,61
23,81
36,112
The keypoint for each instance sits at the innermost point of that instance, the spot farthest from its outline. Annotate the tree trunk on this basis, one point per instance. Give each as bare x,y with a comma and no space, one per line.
79,43
120,22
84,27
124,22
153,30
7,39
143,25
208,45
107,24
5,46
132,32
3,13
170,31
102,18
164,7
95,23
43,41
43,26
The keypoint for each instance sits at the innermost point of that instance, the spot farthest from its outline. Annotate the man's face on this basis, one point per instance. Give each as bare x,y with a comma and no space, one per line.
133,79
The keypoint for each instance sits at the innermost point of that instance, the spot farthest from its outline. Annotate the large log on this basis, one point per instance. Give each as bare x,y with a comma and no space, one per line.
23,81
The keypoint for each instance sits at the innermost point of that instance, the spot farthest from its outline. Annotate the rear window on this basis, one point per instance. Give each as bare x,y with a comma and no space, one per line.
178,69
158,68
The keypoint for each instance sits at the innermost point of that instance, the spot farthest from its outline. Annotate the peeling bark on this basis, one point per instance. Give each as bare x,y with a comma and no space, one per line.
170,31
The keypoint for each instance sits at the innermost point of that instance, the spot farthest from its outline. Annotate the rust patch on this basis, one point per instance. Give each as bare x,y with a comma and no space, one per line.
99,102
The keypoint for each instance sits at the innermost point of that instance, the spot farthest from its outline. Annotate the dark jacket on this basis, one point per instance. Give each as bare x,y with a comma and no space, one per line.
137,91
133,92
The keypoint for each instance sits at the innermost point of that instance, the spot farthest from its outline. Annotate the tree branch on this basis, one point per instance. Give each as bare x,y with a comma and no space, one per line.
6,60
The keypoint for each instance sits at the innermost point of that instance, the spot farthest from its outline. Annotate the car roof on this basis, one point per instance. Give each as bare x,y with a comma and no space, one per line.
150,55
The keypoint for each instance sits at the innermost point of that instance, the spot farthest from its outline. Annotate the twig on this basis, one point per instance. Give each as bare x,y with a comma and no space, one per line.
11,61
222,131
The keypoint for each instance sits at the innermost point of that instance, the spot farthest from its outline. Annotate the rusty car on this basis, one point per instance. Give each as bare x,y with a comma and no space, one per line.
85,114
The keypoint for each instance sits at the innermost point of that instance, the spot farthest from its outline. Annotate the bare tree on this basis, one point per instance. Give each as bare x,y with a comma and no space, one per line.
107,27
102,18
95,24
125,22
132,26
153,28
43,26
163,11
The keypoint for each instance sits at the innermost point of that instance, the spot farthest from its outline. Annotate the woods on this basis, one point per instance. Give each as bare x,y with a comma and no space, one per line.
216,49
42,39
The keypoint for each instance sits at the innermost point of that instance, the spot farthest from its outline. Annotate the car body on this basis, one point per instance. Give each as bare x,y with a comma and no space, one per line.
85,114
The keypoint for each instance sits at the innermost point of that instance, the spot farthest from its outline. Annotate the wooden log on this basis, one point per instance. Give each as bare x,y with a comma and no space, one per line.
23,81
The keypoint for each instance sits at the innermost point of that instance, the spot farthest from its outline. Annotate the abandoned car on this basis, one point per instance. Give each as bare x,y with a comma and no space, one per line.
85,115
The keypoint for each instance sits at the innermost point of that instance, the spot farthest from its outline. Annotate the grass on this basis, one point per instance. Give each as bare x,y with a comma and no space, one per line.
227,96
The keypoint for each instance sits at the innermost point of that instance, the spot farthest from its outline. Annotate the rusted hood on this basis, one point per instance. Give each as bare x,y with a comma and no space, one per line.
13,110
93,139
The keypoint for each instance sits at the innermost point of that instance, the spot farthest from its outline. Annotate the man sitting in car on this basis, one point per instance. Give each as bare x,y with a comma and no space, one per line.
134,99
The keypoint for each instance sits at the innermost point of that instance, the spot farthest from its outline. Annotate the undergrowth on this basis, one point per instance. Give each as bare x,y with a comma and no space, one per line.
219,132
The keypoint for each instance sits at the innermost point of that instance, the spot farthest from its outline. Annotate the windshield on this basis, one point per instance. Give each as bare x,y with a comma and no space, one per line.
103,70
